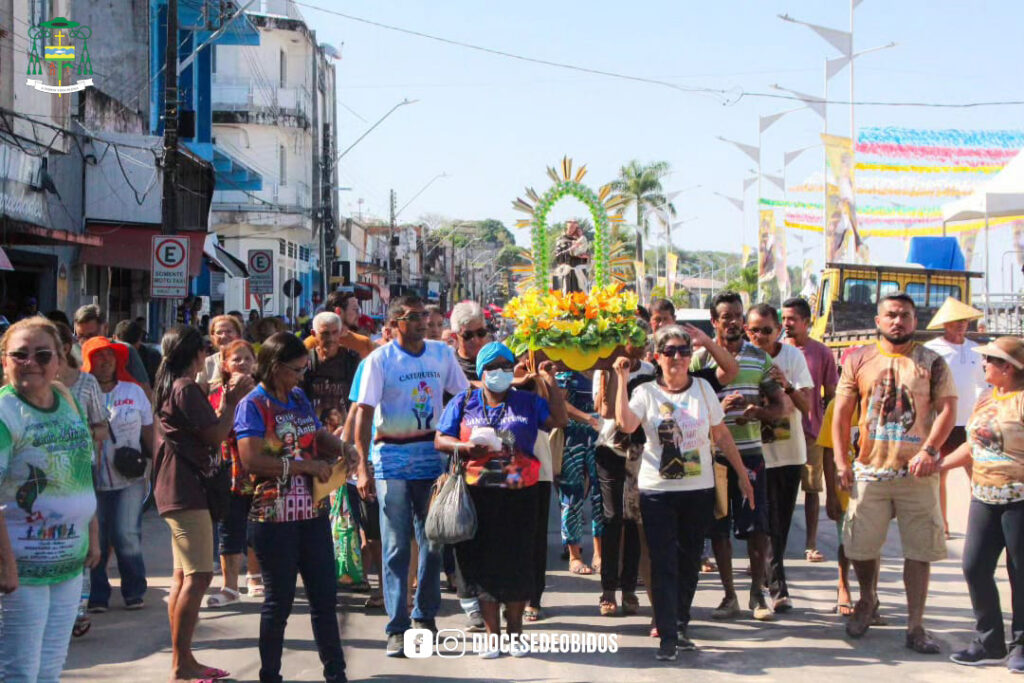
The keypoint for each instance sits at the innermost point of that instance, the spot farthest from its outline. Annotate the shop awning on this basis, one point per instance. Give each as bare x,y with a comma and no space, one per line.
221,260
25,233
131,246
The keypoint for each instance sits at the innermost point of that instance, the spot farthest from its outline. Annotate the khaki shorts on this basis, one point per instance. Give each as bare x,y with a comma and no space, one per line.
191,540
913,501
813,476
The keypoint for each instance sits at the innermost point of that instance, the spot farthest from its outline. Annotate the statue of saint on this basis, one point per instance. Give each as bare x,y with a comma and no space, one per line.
572,260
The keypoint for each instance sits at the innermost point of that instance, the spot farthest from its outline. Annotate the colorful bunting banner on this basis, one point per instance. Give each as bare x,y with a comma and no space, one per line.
952,154
1007,139
967,167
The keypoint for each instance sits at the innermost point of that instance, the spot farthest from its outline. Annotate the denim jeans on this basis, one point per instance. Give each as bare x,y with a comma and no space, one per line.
286,550
37,623
675,523
119,514
403,511
990,528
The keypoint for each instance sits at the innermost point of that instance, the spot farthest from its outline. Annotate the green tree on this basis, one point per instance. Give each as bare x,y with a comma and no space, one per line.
642,184
745,282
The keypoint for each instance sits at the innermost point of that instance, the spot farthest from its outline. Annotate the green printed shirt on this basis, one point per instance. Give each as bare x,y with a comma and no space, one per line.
46,491
752,379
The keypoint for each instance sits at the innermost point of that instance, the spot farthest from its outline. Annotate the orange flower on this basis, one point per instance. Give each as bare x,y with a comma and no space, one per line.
590,312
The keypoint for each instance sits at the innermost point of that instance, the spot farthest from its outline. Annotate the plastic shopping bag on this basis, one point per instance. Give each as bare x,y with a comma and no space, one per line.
452,516
346,539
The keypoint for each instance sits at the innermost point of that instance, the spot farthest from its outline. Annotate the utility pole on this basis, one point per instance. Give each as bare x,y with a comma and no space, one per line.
391,242
169,208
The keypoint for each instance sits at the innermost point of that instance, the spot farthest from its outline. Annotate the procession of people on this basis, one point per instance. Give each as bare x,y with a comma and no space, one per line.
253,442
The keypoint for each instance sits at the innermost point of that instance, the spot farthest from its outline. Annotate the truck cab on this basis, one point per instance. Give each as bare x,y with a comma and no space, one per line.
845,307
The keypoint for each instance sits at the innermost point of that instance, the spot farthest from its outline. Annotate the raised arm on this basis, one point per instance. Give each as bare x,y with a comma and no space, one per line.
625,419
727,368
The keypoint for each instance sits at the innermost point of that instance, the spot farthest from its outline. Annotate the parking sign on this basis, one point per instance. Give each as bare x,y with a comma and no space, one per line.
169,272
261,271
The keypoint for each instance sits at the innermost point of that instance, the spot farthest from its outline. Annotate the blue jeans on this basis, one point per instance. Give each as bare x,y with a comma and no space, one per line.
37,622
287,550
403,510
119,514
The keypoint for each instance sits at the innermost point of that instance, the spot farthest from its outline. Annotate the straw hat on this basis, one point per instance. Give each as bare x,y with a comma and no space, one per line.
1010,349
951,311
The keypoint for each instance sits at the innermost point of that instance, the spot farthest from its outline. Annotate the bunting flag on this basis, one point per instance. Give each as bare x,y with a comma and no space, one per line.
968,167
947,154
899,185
1006,139
905,211
766,245
933,229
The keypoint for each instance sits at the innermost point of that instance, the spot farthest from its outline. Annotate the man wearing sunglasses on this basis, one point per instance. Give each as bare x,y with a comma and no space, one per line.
785,449
400,392
742,400
471,332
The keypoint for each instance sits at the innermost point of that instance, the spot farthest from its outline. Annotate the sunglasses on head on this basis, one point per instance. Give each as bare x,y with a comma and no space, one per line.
41,357
480,334
762,330
676,351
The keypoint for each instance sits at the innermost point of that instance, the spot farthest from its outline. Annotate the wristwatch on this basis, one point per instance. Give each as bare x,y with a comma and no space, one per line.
931,450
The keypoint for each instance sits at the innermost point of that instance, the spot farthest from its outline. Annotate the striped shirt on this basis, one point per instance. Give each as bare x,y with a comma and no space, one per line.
752,379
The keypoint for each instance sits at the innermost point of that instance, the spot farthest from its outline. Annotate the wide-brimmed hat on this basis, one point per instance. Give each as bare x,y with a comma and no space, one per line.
1010,349
96,344
951,311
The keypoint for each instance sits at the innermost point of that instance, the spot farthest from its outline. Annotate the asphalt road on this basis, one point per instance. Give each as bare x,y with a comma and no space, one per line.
808,643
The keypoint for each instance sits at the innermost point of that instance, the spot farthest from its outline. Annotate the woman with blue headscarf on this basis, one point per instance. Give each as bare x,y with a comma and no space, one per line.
494,430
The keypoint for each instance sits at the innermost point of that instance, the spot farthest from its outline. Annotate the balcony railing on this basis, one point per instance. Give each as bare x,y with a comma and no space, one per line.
243,93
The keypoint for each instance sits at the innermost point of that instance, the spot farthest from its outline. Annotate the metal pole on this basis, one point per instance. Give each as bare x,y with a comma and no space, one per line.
169,208
824,175
987,304
853,140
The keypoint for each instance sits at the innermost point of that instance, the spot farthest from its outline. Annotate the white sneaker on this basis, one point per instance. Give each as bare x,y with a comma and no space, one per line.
518,650
488,653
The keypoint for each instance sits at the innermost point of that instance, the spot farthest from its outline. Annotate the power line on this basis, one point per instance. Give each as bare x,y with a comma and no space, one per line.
727,97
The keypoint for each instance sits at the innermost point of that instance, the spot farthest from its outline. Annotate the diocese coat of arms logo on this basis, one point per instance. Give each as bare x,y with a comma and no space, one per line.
59,56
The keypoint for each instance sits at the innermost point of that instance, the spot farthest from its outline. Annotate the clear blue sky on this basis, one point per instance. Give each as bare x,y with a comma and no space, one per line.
494,123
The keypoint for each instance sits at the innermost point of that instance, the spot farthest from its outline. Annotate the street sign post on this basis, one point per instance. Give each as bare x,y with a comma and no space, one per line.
169,267
261,271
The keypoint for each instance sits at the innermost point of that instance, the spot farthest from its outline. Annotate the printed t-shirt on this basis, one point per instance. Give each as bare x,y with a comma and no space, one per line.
46,493
822,366
128,411
751,380
182,457
996,434
327,382
516,421
289,431
405,391
783,439
677,452
897,395
968,373
241,483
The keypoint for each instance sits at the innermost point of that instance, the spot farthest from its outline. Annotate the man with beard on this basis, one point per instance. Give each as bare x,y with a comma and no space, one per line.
907,401
744,412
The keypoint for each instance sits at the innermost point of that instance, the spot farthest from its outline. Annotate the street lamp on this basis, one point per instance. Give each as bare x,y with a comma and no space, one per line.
370,129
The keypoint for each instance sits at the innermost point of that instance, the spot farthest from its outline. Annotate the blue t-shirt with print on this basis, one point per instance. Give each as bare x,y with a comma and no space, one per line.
406,391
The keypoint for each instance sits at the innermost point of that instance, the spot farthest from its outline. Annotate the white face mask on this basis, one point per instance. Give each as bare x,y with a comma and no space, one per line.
498,381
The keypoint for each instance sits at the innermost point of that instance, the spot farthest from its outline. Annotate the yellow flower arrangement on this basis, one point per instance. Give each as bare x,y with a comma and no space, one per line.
602,318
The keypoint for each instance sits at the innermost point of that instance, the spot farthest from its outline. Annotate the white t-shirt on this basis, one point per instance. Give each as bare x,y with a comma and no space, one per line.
128,411
783,441
677,455
604,435
968,374
406,392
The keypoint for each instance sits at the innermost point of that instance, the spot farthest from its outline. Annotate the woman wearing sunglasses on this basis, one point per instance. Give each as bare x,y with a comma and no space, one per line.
995,444
49,531
494,430
680,416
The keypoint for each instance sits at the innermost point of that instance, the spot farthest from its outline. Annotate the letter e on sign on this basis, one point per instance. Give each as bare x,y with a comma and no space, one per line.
169,272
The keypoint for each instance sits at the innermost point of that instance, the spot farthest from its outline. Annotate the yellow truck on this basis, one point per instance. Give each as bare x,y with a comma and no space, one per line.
844,309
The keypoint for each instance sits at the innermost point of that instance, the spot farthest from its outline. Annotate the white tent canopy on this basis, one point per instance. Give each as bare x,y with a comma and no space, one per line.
1002,195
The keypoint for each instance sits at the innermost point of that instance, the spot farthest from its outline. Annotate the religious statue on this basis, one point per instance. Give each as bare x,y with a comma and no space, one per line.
572,259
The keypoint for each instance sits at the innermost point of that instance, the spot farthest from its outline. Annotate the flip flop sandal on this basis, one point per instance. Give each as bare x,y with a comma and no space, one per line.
374,602
630,604
82,626
608,608
843,609
214,674
531,614
813,555
222,598
254,588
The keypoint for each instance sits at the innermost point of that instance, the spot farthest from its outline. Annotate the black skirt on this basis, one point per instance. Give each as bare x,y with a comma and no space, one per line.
497,564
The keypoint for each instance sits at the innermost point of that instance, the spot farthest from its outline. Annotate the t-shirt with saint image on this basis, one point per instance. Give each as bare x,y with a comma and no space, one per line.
677,452
995,432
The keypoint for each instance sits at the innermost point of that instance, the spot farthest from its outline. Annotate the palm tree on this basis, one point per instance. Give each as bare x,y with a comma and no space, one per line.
642,184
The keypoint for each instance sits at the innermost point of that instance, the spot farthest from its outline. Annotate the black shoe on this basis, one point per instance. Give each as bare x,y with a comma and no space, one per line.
975,655
684,643
425,623
1015,662
134,603
96,608
475,622
666,652
396,645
